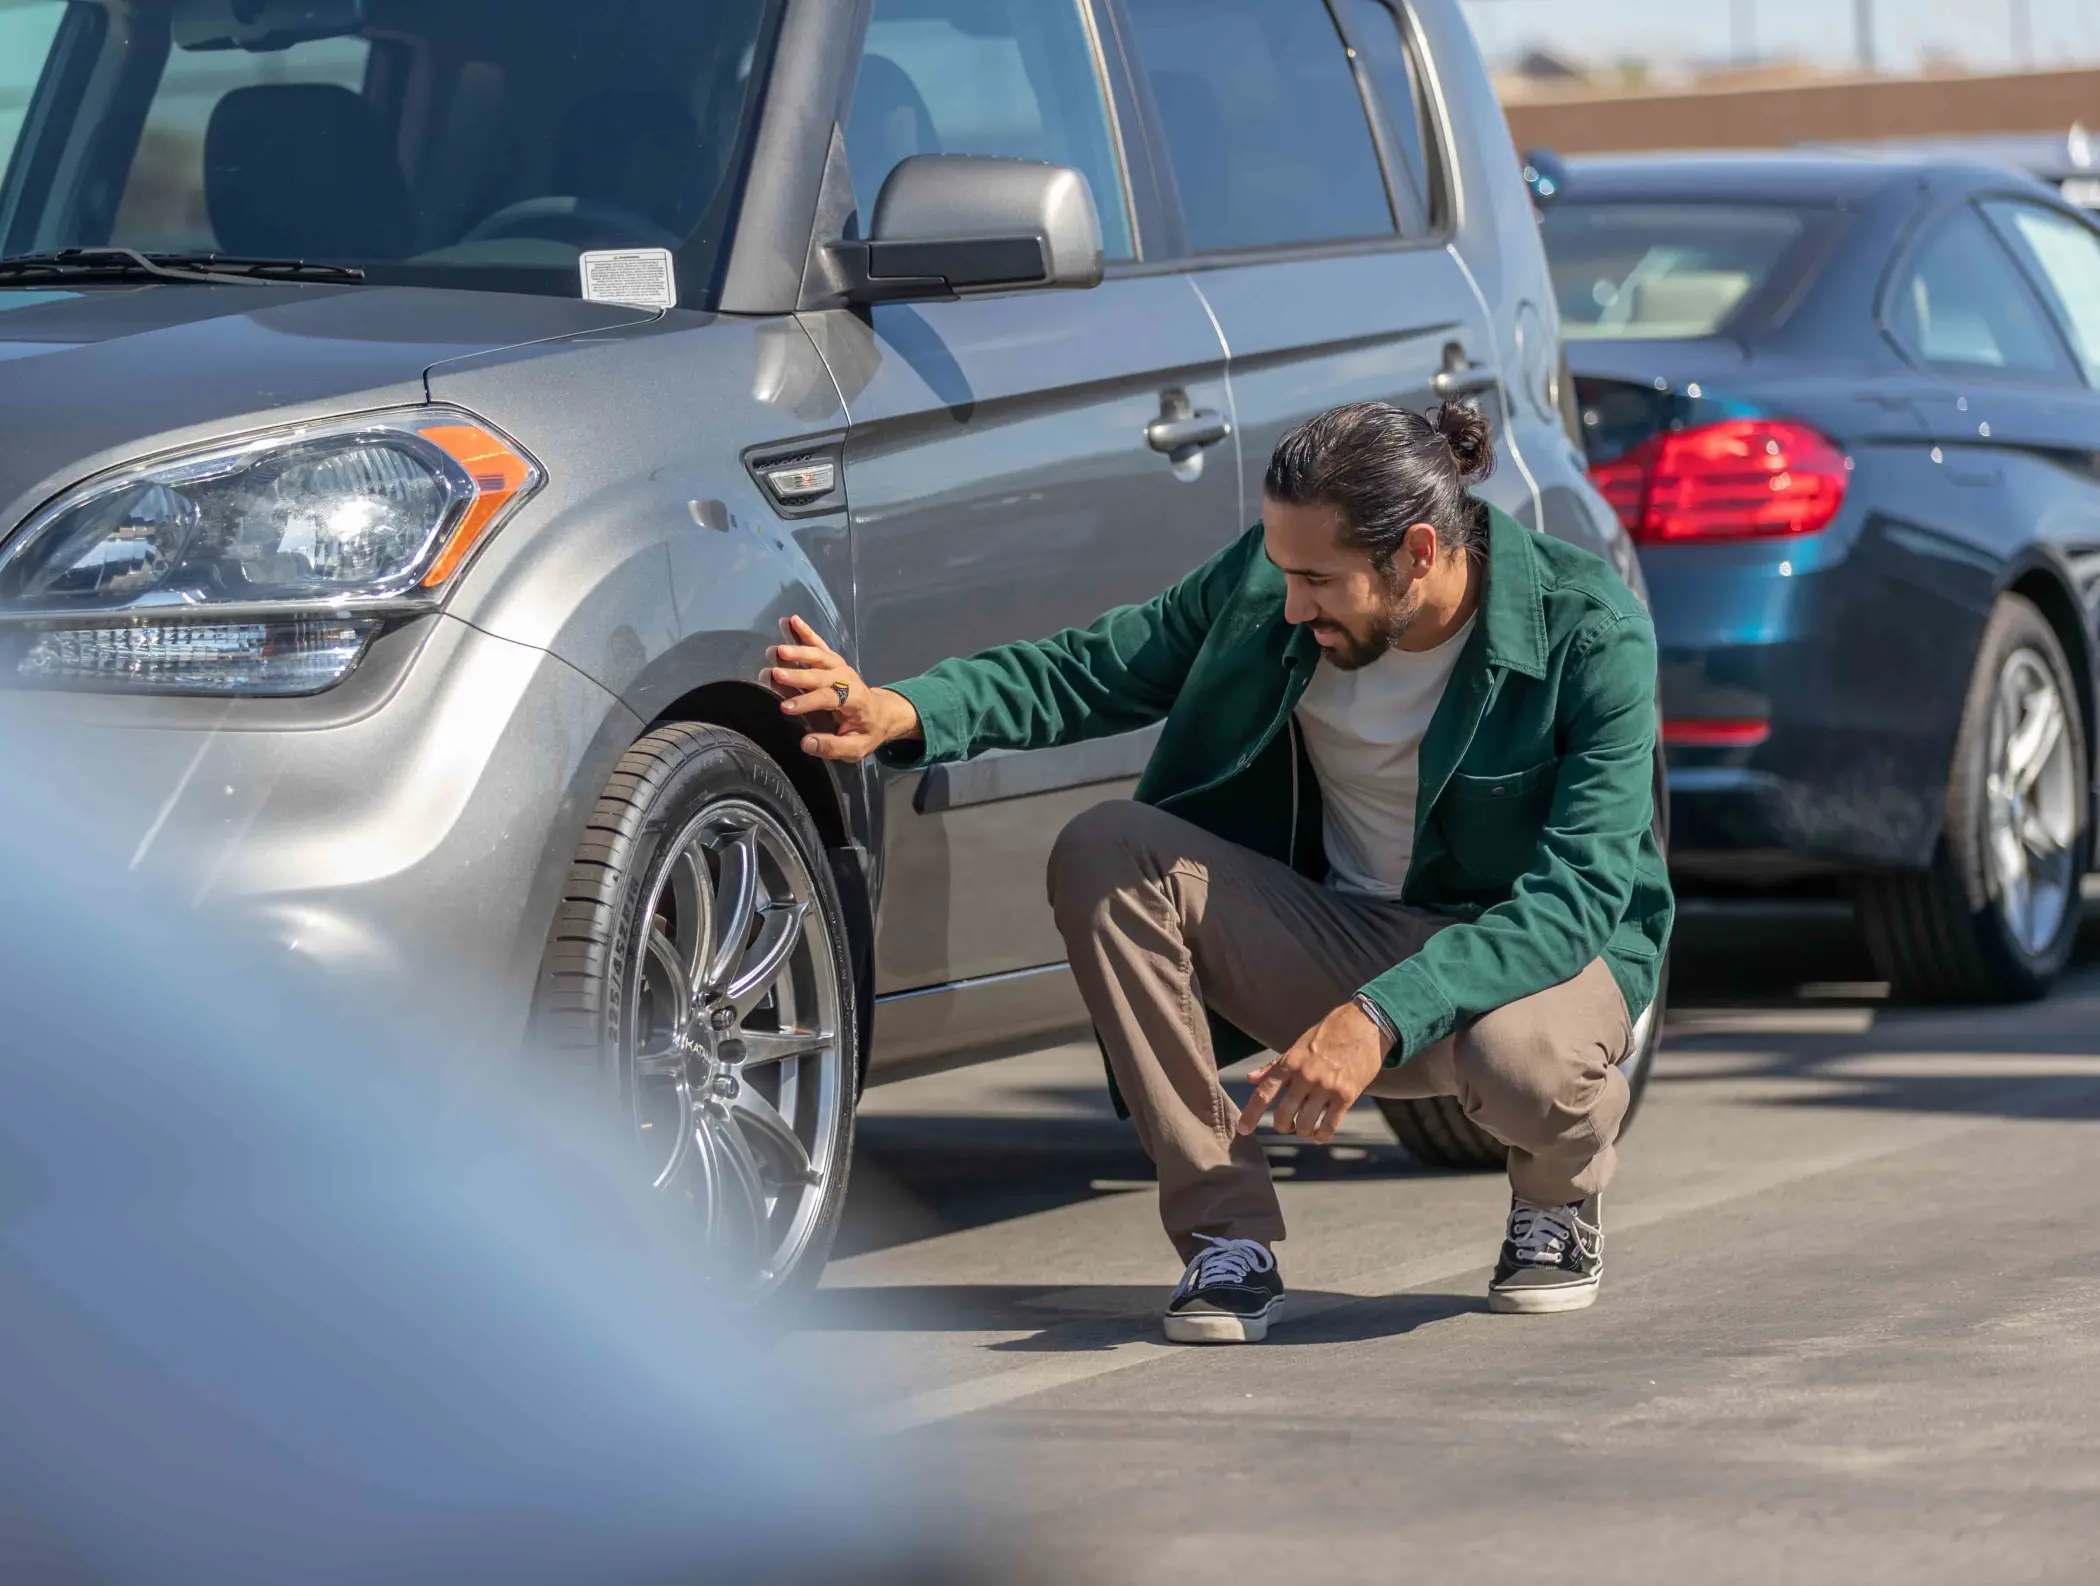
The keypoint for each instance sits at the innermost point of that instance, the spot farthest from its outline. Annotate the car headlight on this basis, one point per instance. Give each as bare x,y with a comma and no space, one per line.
263,566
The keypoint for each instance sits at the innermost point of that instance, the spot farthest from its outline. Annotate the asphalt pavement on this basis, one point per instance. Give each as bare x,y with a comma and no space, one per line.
1850,1327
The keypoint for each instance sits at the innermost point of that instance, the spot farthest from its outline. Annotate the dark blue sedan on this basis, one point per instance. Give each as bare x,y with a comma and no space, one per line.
1850,411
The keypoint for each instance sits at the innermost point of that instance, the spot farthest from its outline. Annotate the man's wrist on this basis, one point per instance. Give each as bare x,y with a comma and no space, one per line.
1388,1037
903,727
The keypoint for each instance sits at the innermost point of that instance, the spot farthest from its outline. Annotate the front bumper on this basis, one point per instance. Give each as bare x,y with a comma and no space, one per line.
408,830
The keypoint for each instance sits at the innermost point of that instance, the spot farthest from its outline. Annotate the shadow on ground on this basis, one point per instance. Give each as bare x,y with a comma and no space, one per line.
919,1176
1075,1320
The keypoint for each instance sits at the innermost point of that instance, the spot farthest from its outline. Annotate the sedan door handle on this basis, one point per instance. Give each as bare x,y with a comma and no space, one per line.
1190,434
1471,380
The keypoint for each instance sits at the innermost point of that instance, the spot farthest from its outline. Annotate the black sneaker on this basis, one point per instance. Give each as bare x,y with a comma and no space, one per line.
1229,1295
1552,1258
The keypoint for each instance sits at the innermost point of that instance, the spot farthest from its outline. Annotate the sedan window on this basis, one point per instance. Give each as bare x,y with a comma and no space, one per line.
1663,271
1961,305
2066,256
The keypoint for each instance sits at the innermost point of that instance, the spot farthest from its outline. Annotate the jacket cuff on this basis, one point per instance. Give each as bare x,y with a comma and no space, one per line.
1415,1006
941,722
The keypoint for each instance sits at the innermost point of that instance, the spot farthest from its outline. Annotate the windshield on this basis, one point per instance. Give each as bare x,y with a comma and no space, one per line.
1655,271
482,143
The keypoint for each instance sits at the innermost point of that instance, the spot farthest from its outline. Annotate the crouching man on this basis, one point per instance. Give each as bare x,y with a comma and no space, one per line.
1398,828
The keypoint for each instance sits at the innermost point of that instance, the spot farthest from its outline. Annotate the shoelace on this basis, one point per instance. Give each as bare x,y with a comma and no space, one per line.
1542,1235
1226,1261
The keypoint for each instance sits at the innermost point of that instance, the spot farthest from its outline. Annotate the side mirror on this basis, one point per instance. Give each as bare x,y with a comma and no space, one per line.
946,224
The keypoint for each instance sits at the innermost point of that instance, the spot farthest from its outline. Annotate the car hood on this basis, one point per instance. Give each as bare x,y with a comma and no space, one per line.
92,376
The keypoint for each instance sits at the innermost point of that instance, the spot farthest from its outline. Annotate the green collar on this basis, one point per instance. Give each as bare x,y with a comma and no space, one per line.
1513,611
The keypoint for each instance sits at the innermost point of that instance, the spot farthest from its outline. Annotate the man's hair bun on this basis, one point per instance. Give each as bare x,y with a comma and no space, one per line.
1471,439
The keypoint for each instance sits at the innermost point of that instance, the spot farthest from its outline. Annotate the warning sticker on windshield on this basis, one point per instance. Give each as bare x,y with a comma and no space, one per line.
633,277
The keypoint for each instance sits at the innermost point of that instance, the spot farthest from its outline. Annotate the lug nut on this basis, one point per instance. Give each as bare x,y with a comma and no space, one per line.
722,1018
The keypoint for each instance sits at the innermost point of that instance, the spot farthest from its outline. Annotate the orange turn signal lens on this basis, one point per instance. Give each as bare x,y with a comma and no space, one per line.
501,475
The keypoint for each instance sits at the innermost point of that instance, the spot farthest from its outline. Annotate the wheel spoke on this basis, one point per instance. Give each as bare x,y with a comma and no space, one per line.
2035,739
665,959
693,901
738,1210
777,938
777,1046
736,897
776,1137
2038,839
682,1151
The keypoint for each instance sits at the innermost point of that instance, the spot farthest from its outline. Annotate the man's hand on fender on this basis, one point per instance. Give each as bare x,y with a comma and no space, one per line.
813,680
1314,1084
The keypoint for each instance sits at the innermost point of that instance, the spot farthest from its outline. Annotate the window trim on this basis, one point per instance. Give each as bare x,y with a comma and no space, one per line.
1438,226
1923,229
1181,256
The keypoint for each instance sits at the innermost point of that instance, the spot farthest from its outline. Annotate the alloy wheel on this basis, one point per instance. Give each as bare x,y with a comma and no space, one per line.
733,1065
2031,803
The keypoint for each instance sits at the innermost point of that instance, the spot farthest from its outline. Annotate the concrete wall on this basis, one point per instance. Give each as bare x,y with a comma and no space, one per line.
1840,111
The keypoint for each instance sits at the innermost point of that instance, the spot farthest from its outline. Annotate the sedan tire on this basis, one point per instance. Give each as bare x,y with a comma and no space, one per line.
1995,917
699,977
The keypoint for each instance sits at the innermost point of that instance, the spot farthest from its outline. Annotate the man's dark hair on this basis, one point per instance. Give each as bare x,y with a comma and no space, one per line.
1384,469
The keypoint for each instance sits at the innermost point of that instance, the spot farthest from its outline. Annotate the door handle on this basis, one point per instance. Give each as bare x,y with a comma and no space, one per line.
1189,433
1467,380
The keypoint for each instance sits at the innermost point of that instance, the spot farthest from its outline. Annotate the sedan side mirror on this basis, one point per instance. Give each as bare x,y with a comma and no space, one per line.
947,224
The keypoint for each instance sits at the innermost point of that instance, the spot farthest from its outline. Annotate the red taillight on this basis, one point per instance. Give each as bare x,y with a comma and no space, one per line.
1706,733
1737,480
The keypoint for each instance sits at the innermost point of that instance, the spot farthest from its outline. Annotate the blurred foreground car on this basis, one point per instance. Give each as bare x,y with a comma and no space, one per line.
1848,409
426,600
295,1291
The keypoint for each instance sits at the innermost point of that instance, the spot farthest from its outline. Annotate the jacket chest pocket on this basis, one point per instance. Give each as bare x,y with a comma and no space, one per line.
1492,823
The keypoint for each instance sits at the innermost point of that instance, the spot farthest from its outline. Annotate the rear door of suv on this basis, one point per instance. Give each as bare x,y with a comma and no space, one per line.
1002,486
1310,199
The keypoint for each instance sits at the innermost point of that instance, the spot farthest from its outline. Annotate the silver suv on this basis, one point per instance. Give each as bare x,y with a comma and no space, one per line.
416,417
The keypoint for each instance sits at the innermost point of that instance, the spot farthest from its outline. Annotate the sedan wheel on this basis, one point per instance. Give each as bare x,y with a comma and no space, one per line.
2031,803
699,966
1995,917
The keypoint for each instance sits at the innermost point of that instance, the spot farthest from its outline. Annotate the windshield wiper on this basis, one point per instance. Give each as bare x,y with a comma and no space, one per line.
128,264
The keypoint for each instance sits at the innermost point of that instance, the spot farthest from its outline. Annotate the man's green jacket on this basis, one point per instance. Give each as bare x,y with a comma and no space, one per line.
1535,822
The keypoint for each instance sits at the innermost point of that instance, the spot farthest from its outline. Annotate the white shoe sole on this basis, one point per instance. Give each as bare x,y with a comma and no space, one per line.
1209,1327
1542,1302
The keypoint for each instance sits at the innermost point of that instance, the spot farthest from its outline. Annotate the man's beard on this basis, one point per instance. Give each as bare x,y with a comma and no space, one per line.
1359,650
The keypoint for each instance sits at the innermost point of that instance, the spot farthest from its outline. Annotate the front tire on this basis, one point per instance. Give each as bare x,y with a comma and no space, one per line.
699,973
1995,917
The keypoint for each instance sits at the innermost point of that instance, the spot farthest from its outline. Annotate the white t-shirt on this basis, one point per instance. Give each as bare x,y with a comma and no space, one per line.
1363,730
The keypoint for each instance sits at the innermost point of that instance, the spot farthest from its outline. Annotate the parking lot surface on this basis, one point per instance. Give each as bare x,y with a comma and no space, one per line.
1850,1328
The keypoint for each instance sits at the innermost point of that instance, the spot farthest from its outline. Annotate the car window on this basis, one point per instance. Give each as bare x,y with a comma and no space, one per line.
1264,125
1962,306
164,207
1663,271
1017,78
440,142
1381,43
2066,255
26,32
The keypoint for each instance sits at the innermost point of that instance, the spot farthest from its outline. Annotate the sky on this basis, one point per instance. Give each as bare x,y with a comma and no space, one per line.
1978,33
